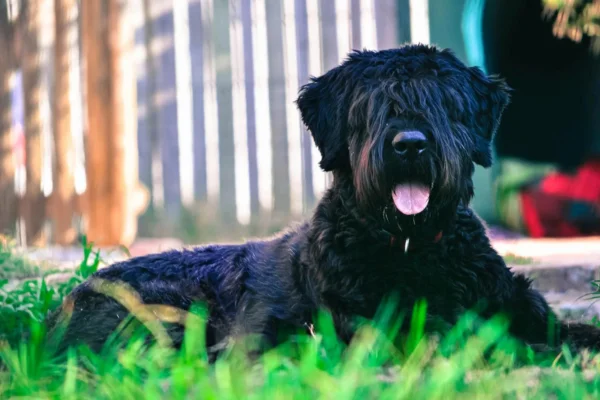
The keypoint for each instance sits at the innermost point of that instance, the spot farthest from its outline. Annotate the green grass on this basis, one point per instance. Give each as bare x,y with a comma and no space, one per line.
11,265
476,359
513,259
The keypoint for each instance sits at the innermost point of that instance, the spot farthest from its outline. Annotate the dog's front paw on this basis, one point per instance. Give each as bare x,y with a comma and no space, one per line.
581,336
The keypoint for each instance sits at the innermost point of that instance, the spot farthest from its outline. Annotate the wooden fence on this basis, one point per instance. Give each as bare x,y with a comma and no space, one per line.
216,127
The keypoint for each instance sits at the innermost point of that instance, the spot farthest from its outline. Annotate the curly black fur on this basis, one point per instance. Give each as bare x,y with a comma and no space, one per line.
341,260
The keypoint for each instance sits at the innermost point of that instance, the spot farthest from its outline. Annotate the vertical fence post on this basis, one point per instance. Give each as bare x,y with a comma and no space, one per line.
403,21
329,47
64,183
356,42
222,43
386,14
246,14
33,206
197,58
329,35
146,132
279,140
8,198
165,99
302,46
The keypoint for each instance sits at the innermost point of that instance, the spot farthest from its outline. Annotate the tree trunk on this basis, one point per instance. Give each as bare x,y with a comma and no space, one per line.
98,88
113,194
33,211
8,198
64,185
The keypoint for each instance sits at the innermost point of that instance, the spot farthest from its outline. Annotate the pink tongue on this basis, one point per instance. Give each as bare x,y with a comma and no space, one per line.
411,198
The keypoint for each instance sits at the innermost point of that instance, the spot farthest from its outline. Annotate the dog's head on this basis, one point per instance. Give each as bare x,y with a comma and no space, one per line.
406,124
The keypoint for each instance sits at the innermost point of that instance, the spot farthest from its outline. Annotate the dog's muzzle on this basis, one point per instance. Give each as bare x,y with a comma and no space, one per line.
410,198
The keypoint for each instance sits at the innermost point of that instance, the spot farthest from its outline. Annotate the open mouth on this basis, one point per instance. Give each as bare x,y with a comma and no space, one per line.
411,198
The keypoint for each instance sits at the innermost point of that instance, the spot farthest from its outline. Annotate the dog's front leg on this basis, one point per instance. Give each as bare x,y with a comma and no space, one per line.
534,322
581,336
345,326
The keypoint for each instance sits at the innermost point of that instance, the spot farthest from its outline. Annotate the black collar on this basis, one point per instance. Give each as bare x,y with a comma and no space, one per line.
402,242
405,242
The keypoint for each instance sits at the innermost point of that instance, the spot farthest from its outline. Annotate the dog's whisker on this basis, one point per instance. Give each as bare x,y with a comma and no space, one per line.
385,216
397,222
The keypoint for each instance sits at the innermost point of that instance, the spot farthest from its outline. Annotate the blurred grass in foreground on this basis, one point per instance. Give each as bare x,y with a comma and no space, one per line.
476,359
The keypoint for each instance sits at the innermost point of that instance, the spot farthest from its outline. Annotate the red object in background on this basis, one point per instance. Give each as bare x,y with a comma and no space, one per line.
563,205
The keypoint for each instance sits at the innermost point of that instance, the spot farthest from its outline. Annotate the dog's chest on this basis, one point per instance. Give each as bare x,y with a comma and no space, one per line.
445,282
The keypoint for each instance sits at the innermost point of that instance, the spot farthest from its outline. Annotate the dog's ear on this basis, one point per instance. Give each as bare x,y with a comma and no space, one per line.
491,96
323,105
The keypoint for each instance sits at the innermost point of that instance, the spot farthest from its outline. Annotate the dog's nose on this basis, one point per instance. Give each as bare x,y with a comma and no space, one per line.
409,143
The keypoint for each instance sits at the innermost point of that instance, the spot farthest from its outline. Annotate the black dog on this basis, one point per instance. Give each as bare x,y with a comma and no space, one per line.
400,130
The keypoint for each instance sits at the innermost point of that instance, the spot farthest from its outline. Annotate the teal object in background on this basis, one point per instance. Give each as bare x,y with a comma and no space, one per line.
471,28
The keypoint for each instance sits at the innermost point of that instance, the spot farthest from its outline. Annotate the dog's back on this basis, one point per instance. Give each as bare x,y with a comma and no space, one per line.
238,284
176,279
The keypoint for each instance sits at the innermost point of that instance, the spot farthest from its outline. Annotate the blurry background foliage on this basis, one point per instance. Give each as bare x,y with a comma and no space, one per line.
576,18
